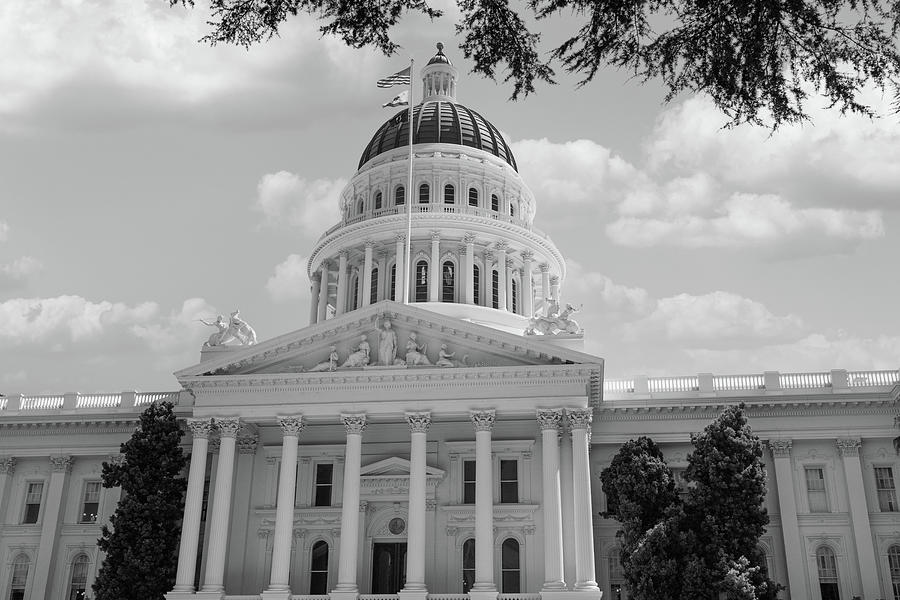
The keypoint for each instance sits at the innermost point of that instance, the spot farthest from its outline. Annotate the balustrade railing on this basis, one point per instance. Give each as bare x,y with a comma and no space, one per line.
727,383
25,402
673,384
870,378
41,402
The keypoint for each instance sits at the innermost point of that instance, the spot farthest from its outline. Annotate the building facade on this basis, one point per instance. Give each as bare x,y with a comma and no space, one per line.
434,449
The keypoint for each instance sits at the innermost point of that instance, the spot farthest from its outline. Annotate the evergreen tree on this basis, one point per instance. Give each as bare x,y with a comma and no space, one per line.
707,546
142,547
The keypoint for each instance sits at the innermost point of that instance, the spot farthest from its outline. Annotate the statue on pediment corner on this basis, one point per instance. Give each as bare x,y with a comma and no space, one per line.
555,322
234,329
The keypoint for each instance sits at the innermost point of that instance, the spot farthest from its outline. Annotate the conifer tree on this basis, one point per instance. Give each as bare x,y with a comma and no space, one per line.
141,547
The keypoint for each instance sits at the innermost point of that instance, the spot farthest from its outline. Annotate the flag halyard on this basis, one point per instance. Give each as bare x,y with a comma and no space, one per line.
398,78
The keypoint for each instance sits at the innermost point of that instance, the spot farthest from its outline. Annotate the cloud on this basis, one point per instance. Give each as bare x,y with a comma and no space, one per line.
4,231
289,282
715,319
288,199
616,301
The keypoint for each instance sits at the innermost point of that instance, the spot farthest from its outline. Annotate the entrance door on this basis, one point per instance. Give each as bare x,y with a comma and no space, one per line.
388,568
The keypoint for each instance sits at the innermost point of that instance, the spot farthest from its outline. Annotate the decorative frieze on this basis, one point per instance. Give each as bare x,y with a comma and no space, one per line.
228,426
61,463
848,446
483,420
291,425
355,424
418,421
781,448
200,428
549,418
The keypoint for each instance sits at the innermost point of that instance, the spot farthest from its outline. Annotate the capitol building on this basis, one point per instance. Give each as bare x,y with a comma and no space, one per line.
437,432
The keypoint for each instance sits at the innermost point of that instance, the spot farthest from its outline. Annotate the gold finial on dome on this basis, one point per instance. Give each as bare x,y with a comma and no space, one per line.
440,47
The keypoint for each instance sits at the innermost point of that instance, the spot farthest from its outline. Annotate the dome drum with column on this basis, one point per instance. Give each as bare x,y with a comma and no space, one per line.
473,241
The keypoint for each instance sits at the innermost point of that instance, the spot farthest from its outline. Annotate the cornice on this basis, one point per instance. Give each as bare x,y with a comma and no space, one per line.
49,427
770,407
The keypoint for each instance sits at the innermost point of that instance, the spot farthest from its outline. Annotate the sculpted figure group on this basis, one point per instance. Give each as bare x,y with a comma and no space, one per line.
554,322
227,331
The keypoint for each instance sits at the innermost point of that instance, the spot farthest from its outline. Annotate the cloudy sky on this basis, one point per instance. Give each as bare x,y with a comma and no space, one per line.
147,180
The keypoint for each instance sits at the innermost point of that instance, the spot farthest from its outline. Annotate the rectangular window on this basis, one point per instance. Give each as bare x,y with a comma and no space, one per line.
33,502
324,478
887,493
90,504
468,482
815,489
495,289
509,481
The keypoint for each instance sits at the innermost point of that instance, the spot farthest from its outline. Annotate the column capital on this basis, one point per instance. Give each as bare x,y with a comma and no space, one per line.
461,249
527,255
343,254
781,448
418,421
291,425
848,446
554,279
483,420
325,266
354,423
228,426
580,418
544,267
549,418
247,444
200,428
400,237
488,257
316,277
510,263
501,245
7,465
469,238
369,244
61,463
435,235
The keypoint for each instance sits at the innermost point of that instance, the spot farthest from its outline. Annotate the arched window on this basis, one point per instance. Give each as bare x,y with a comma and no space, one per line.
359,207
510,574
399,196
473,197
421,281
495,203
78,581
393,289
448,282
476,284
512,210
318,568
373,288
826,566
449,194
515,296
19,577
495,289
468,565
377,200
424,194
894,567
354,300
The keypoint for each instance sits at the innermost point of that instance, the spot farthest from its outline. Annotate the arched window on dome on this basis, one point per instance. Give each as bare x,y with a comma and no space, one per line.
468,565
78,580
360,207
354,299
512,209
515,296
473,197
19,577
510,569
318,569
894,569
826,566
495,203
373,288
424,194
476,284
377,200
393,290
421,281
449,194
495,289
448,282
399,196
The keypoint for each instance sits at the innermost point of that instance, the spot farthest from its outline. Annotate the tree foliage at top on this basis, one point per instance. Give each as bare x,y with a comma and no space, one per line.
757,59
142,546
707,545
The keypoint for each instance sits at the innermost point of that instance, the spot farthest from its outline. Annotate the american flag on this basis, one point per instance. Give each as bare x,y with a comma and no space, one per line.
398,78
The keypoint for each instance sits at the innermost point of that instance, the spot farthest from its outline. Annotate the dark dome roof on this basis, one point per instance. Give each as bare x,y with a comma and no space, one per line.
439,122
439,58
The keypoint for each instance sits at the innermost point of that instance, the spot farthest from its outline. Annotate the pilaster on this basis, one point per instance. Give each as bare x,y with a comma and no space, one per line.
859,516
60,468
794,552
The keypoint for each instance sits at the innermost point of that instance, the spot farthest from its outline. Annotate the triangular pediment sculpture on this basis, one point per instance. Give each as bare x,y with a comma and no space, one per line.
385,336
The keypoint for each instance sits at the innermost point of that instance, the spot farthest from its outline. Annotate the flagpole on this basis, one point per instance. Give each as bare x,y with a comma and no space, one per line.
409,193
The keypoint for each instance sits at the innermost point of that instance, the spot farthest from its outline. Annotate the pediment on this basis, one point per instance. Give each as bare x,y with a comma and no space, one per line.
341,344
395,467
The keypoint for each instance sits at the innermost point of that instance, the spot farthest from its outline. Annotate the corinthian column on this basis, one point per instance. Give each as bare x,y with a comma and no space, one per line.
316,280
415,555
343,276
7,468
527,291
790,530
193,504
323,292
549,421
367,275
279,588
347,586
501,272
484,587
469,275
61,467
399,272
214,577
859,516
580,420
435,280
